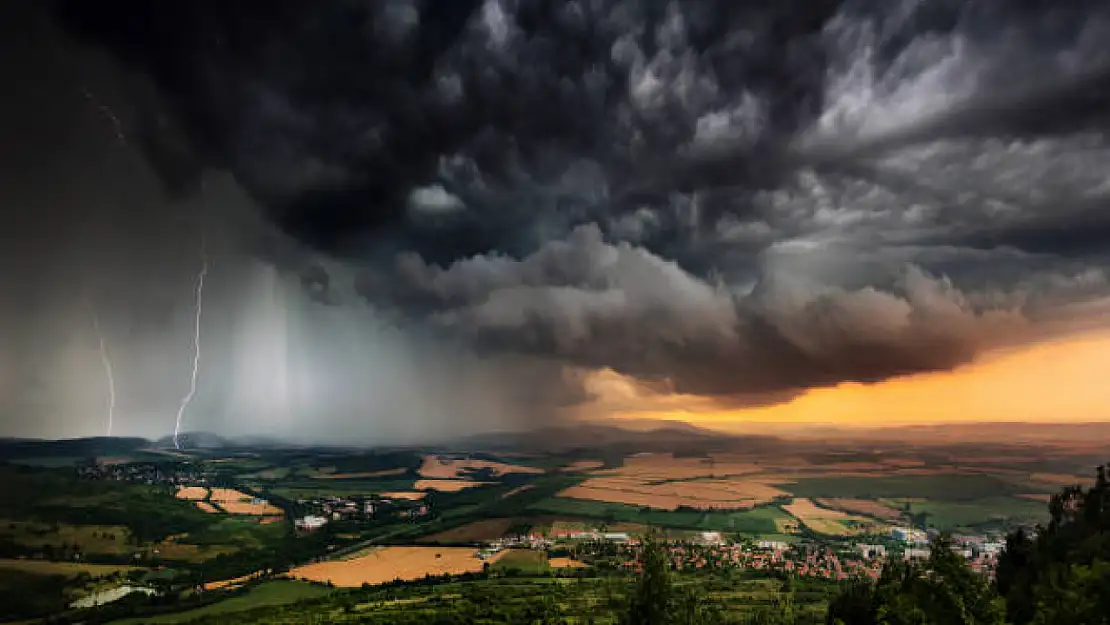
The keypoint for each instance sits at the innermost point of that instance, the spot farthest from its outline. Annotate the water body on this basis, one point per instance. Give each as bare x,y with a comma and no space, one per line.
108,596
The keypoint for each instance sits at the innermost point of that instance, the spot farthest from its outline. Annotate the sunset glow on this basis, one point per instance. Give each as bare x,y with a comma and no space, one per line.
1058,381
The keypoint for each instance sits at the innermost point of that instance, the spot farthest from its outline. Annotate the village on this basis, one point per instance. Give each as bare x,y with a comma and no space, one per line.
832,560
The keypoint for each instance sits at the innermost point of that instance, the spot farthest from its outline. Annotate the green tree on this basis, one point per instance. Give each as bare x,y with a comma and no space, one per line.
1058,573
651,595
654,599
942,590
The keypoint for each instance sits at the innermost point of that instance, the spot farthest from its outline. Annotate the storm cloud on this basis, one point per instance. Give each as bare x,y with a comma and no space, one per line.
743,199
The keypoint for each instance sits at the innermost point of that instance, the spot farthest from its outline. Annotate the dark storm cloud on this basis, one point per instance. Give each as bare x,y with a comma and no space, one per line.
745,199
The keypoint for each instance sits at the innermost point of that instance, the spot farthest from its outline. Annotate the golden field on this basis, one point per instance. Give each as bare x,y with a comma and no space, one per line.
235,502
405,494
821,520
388,563
564,563
665,482
192,493
865,507
439,467
206,507
732,494
447,486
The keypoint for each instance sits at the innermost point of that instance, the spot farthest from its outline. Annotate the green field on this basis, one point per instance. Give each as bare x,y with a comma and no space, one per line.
944,487
267,594
527,561
968,515
493,600
66,569
759,520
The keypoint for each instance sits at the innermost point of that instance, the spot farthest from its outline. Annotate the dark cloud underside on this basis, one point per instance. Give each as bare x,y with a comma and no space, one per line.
742,199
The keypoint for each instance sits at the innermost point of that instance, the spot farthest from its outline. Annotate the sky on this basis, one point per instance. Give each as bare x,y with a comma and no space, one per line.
423,219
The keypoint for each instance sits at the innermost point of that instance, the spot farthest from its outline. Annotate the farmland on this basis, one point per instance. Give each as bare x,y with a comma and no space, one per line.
196,517
824,520
389,563
484,530
449,486
441,467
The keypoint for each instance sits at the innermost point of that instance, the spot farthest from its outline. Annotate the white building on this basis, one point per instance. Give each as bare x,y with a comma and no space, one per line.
772,545
619,537
310,523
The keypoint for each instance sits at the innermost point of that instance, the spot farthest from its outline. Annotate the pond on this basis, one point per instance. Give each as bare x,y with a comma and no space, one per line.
109,595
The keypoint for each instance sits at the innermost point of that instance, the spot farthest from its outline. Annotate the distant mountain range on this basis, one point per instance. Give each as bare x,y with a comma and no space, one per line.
630,436
972,432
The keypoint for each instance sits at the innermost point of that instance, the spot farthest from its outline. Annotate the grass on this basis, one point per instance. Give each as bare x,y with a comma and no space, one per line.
945,487
486,529
759,520
267,594
512,599
66,569
956,515
528,561
92,539
315,489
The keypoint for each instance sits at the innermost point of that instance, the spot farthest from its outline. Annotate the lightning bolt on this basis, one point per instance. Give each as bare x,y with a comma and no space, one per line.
196,346
108,371
107,112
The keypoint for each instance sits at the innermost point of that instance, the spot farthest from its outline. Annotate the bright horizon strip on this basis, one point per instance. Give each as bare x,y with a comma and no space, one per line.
1063,380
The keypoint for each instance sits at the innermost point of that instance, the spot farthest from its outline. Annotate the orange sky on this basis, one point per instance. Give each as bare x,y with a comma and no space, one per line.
1063,380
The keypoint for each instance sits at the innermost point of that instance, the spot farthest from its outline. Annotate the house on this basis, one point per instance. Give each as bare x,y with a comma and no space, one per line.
310,523
620,537
712,538
772,545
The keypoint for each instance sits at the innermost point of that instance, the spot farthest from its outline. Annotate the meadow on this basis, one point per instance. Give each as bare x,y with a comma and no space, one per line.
756,521
269,594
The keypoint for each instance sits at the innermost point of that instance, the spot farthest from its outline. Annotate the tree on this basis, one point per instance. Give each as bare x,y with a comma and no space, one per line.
655,600
941,590
650,599
1058,573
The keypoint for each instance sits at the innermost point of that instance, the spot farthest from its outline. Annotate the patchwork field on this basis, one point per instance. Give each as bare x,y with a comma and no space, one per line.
405,494
733,494
439,467
235,502
192,493
207,507
821,520
763,520
389,563
582,466
449,486
565,563
661,467
866,507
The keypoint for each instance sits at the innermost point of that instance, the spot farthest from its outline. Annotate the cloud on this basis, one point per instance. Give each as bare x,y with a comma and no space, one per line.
601,305
434,200
744,199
